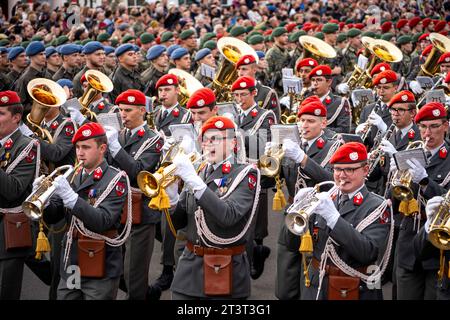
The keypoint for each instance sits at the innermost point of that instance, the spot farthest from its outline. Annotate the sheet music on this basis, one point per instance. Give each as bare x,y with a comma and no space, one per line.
436,96
401,157
362,61
71,103
292,85
285,131
185,133
207,71
110,119
287,72
228,109
362,96
425,82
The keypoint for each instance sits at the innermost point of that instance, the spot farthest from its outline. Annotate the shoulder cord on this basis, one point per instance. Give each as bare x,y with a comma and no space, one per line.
202,228
267,99
336,114
186,118
146,145
260,121
446,180
330,251
77,223
59,129
331,151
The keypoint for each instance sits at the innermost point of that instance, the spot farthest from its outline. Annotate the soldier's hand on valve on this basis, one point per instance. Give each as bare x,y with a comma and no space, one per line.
76,115
377,121
65,192
342,88
326,209
387,147
302,193
431,209
415,87
416,170
270,146
113,139
37,182
293,151
186,171
361,128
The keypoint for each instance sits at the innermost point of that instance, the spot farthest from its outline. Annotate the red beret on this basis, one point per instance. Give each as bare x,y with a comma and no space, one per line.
403,96
203,97
383,66
131,97
401,23
427,50
447,78
425,36
9,98
220,123
386,76
245,60
444,58
167,80
386,26
307,62
83,79
350,25
431,111
414,22
341,25
158,40
439,26
444,33
359,26
87,131
290,26
310,99
243,83
319,27
333,21
268,32
313,108
322,70
426,22
351,152
307,26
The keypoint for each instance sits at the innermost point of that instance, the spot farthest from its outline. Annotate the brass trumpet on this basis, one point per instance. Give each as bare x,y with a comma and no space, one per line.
97,82
270,163
34,204
439,230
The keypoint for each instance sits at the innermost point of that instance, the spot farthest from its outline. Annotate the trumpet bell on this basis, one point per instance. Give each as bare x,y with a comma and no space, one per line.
402,192
97,82
46,94
270,164
149,183
440,237
297,222
188,85
384,50
441,44
318,48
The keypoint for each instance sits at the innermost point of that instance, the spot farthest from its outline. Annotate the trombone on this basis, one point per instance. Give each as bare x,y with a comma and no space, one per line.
439,230
97,82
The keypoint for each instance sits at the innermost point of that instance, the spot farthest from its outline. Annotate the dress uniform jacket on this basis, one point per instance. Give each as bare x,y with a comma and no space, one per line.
16,186
124,79
267,98
21,85
148,161
101,219
178,115
383,112
103,106
149,78
13,76
77,87
342,122
225,219
205,81
4,82
64,73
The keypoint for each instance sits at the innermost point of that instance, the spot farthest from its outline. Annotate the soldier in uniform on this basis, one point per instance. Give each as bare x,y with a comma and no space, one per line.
4,81
159,64
89,246
126,76
404,67
110,60
133,150
204,56
315,148
19,63
15,186
338,108
278,58
181,59
349,57
297,52
54,61
188,40
223,195
266,97
146,43
330,36
71,62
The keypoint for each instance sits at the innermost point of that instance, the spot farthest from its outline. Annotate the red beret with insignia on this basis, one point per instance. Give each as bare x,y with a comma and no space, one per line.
425,36
351,152
313,108
401,23
131,97
386,26
203,97
444,58
426,22
245,60
9,98
167,80
447,78
383,66
310,99
383,77
439,26
431,111
307,62
219,123
426,51
88,131
319,71
243,83
413,22
403,96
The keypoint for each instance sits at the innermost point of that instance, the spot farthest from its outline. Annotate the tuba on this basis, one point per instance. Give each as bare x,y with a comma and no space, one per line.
352,82
232,50
439,230
316,49
46,94
34,204
298,214
97,82
188,85
441,44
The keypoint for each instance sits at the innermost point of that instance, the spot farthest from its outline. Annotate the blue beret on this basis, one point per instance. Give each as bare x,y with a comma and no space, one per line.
260,54
92,46
123,26
172,48
68,49
65,83
202,53
3,50
49,51
34,48
14,52
178,53
108,49
155,51
124,48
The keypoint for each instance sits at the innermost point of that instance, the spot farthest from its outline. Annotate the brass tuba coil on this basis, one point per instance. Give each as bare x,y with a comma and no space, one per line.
439,230
317,49
97,82
441,44
188,85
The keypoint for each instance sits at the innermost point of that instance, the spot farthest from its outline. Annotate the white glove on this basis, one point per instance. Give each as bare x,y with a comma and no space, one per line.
65,192
378,122
270,146
26,131
186,171
392,165
187,144
415,87
360,128
302,193
387,147
293,151
113,140
172,192
342,88
285,101
37,182
168,142
416,170
326,209
431,208
76,115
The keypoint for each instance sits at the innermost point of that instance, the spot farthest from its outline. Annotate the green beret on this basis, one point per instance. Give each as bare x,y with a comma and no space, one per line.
249,29
237,31
62,40
37,38
377,36
166,36
353,32
278,32
114,42
268,38
85,41
24,44
370,34
349,20
256,39
403,40
210,44
127,38
283,23
330,28
293,37
208,36
253,33
146,38
416,37
387,36
78,42
54,42
341,37
103,37
186,34
319,35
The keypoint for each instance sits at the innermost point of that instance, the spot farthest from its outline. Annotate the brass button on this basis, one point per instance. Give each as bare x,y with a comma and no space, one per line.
91,254
18,225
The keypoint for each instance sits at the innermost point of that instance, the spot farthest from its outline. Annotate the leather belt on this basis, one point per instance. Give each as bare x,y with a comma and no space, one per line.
201,251
110,234
332,270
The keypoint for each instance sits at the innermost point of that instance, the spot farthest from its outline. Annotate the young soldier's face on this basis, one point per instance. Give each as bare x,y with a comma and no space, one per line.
434,131
245,98
90,153
350,177
401,115
132,116
8,122
311,126
217,145
202,114
386,91
320,85
248,70
168,95
303,73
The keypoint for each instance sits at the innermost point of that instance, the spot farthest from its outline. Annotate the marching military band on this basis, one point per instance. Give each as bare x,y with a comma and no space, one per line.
103,150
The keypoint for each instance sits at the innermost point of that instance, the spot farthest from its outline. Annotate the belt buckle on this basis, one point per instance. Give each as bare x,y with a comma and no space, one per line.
196,247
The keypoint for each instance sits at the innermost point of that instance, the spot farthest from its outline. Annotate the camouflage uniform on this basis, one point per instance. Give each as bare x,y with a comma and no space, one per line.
277,58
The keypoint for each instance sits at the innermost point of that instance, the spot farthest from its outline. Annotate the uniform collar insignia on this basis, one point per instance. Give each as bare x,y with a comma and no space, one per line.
443,152
8,144
98,173
358,199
